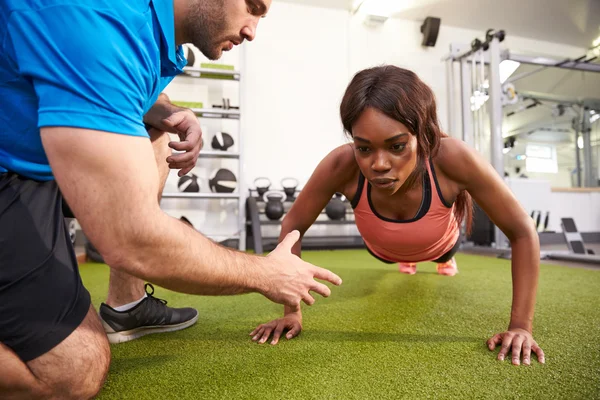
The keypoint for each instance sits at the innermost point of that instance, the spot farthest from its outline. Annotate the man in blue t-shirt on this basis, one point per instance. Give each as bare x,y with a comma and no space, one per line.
81,110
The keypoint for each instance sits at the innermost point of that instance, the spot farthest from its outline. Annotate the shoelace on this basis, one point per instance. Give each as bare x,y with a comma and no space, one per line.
151,294
156,312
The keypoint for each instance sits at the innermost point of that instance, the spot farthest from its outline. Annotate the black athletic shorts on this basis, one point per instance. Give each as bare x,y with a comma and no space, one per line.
42,298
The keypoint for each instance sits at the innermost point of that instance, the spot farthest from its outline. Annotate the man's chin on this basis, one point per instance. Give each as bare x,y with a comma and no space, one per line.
212,54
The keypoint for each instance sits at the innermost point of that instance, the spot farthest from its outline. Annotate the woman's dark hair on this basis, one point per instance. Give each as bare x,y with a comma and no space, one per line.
401,95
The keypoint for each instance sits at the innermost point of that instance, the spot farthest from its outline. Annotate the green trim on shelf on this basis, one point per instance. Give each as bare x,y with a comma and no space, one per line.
217,66
189,104
223,67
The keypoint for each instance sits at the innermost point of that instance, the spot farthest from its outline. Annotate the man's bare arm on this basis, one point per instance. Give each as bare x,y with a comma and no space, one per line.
111,181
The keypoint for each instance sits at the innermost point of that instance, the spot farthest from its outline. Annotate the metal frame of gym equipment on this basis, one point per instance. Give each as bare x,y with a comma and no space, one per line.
474,57
581,124
260,243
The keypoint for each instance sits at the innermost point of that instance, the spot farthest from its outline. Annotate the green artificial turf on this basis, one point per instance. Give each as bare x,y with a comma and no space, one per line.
381,335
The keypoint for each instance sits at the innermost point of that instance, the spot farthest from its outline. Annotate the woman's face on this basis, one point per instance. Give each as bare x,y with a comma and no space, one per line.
385,150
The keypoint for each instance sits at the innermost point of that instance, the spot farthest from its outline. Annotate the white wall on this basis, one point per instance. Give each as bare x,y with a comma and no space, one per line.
584,208
296,73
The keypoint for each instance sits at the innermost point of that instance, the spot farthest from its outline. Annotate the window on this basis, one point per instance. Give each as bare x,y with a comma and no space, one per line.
541,158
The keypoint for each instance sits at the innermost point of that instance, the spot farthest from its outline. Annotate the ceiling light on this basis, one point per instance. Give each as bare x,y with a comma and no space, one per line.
385,8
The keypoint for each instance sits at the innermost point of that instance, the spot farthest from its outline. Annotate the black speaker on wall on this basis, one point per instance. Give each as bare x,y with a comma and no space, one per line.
430,30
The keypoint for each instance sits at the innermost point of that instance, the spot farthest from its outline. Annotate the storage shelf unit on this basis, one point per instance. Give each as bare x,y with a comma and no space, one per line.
216,76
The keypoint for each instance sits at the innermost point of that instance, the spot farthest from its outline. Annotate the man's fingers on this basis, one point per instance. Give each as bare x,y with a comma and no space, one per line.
494,341
184,171
182,165
277,333
289,241
321,289
186,157
194,135
308,299
174,119
540,353
326,275
186,145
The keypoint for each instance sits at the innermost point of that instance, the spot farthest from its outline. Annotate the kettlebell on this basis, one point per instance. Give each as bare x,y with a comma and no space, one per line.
262,185
289,186
336,209
274,208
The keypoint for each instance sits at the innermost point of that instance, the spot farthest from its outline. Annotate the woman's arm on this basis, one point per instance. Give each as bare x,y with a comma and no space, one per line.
472,173
333,174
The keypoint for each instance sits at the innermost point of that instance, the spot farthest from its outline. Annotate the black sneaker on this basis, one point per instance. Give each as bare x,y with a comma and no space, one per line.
151,315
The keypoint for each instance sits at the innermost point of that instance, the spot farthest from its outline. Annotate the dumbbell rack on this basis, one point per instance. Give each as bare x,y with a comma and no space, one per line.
255,208
217,113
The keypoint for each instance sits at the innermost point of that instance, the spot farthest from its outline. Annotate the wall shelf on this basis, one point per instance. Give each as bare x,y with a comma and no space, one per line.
217,154
186,195
209,73
217,113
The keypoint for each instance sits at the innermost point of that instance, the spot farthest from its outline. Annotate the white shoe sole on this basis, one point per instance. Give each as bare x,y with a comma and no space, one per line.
126,336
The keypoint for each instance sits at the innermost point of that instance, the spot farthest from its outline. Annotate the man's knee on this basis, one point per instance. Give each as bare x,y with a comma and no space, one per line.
77,367
90,380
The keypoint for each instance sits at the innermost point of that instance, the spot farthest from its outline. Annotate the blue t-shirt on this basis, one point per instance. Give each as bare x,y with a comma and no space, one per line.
94,64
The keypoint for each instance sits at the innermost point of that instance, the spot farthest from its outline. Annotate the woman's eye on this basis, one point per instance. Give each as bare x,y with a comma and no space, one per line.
362,149
398,146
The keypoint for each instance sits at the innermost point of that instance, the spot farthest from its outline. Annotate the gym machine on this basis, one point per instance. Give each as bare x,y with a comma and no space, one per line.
266,207
480,84
577,249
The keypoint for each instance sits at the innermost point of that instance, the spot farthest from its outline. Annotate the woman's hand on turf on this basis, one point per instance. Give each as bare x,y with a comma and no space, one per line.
291,323
516,341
